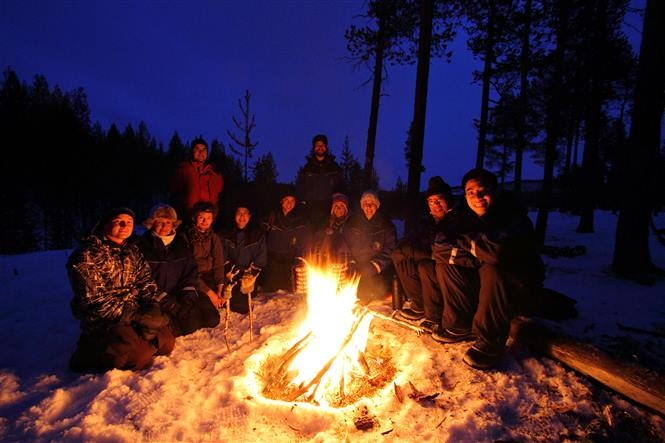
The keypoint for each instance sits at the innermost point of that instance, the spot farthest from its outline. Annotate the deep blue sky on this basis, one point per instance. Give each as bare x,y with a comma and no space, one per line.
183,65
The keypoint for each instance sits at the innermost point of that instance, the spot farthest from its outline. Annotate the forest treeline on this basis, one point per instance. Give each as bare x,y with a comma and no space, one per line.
61,171
560,83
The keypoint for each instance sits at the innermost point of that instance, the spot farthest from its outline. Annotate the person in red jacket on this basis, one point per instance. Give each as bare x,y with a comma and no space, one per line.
196,180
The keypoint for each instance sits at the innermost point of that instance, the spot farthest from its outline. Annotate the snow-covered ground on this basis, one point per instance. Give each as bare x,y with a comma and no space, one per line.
202,392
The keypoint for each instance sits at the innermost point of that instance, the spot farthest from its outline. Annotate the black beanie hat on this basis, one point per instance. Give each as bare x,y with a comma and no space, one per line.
482,175
110,215
437,186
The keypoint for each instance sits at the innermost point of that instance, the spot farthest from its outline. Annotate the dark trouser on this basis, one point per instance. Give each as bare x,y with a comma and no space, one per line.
478,299
119,347
432,297
192,316
277,274
239,301
407,273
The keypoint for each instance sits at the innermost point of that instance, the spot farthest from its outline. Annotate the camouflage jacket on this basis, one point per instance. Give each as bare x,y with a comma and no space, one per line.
110,282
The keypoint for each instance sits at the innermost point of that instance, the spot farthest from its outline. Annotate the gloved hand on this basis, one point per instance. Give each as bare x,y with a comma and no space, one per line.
149,320
368,270
169,303
231,275
189,297
247,283
228,290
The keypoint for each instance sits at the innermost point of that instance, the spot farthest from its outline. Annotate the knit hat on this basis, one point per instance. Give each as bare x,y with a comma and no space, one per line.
484,176
437,186
320,138
370,195
162,210
288,191
110,215
338,197
203,206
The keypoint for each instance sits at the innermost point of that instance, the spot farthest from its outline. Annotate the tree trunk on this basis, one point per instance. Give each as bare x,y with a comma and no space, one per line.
632,256
374,109
633,381
485,98
419,109
590,162
525,59
552,124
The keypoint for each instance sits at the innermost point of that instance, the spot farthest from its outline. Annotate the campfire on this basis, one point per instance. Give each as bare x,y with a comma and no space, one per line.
330,364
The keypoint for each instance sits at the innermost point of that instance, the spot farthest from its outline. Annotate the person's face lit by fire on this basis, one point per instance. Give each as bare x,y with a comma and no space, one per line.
437,206
478,196
203,221
242,217
369,208
120,228
339,209
288,203
200,153
163,226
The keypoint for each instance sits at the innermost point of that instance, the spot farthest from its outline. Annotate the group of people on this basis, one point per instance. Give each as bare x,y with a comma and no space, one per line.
465,268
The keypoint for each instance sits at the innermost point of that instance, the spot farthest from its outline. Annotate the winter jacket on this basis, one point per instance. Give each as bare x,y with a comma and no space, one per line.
503,237
110,282
318,180
417,243
193,182
444,247
371,241
209,254
173,266
329,244
287,235
245,246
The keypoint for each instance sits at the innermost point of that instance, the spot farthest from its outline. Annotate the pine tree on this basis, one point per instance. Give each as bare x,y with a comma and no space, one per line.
244,146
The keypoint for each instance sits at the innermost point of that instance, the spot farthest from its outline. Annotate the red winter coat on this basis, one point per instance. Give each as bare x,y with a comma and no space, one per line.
193,182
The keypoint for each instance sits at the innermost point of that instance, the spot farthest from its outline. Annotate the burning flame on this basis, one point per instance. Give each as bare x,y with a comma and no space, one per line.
330,353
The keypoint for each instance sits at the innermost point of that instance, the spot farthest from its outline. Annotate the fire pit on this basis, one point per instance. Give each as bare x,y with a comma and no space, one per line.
331,363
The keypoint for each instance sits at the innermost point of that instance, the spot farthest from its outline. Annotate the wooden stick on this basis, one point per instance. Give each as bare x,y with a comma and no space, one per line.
303,389
251,316
397,321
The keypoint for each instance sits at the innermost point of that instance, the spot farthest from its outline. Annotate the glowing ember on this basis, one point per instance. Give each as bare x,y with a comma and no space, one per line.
328,363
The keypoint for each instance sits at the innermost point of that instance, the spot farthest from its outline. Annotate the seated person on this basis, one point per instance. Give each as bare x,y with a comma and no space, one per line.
412,257
371,238
115,300
287,236
481,297
174,268
246,255
208,252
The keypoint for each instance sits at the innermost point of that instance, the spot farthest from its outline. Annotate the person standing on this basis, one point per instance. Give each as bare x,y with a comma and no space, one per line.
174,268
317,181
115,300
195,180
371,238
480,299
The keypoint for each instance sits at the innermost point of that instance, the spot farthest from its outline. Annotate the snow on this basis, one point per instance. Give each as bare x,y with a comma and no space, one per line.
202,392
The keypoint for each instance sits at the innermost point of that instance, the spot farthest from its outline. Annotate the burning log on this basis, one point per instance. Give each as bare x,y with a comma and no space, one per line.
633,381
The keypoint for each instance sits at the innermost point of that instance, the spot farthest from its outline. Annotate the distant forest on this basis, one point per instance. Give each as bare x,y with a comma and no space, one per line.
560,81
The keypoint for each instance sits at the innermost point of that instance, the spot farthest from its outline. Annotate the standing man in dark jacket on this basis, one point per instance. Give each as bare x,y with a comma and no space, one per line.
115,300
174,268
317,181
371,238
481,299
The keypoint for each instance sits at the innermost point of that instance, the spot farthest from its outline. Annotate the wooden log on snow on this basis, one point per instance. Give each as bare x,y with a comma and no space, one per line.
629,379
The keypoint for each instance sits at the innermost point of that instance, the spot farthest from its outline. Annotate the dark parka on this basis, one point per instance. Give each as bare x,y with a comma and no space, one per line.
317,181
209,254
173,266
371,240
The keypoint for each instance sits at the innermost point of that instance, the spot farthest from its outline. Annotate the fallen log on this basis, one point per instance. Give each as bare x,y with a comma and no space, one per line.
628,379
